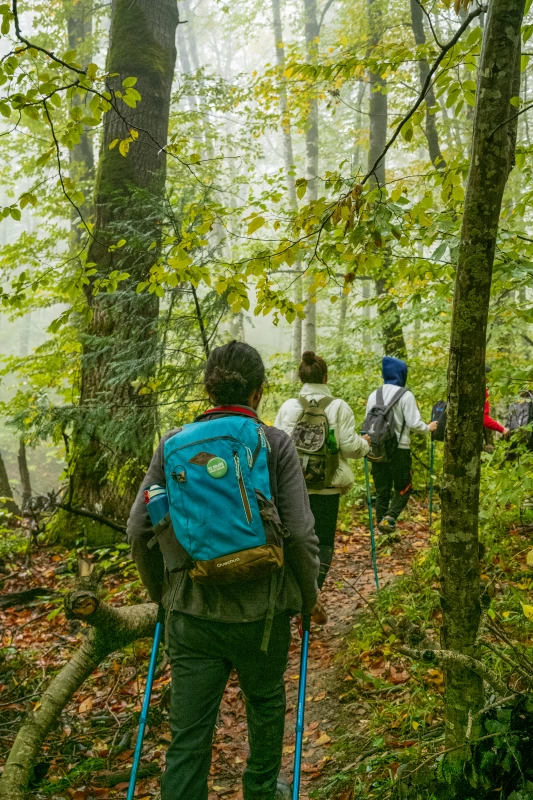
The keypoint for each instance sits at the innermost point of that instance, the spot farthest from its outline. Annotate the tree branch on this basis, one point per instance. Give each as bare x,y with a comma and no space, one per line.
82,512
446,48
324,12
29,44
451,657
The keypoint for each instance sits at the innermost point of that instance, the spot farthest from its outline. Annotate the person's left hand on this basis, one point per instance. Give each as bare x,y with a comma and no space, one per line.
367,438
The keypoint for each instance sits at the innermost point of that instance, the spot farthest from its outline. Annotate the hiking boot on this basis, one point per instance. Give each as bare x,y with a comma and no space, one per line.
283,790
318,614
387,525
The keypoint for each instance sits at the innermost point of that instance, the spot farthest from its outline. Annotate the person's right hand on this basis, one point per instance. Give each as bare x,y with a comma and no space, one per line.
505,432
433,426
367,438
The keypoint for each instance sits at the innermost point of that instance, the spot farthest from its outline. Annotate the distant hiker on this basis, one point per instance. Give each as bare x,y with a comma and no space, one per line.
212,627
489,423
391,455
323,429
519,424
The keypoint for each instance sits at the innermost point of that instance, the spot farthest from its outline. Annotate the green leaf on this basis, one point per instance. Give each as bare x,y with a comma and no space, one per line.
113,143
121,243
127,82
15,213
255,224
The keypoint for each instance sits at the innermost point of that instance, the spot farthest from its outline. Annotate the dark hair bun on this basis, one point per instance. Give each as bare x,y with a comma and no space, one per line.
313,368
233,372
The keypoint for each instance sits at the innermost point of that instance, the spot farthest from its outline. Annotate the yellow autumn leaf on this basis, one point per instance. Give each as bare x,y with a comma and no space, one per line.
529,558
325,739
528,611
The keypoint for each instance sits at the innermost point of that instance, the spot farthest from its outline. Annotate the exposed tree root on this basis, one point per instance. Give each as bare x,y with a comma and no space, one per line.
113,629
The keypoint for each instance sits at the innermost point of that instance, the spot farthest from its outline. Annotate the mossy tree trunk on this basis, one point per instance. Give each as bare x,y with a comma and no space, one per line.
417,23
491,159
113,438
391,326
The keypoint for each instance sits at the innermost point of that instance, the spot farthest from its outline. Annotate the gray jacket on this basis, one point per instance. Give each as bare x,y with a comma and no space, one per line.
243,602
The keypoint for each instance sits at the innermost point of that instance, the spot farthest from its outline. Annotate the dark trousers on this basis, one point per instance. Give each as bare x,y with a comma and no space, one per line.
325,508
394,474
202,654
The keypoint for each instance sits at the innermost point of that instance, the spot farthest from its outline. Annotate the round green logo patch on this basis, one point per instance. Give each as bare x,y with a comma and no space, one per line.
217,467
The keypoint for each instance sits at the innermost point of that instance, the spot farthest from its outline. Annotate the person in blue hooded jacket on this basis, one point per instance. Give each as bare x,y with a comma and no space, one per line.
393,479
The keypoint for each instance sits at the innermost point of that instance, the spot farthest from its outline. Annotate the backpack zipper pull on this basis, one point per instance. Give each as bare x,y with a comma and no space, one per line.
264,440
242,488
249,457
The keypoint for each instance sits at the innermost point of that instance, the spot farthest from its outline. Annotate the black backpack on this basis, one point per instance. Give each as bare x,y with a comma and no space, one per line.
521,415
438,415
379,425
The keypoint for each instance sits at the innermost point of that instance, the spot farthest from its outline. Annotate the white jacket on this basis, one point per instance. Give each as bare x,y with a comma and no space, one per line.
406,414
341,419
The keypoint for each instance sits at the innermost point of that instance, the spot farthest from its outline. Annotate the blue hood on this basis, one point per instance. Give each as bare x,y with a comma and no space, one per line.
394,371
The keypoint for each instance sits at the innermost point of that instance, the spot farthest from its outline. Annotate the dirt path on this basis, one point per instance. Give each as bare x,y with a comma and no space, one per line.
82,750
351,570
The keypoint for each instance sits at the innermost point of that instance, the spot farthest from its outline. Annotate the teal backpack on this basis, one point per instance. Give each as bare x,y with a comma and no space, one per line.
221,507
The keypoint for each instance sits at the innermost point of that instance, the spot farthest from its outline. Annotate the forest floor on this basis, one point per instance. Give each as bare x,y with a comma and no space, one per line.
92,746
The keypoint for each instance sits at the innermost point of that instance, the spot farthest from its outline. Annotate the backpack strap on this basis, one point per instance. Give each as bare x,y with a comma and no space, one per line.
395,399
379,397
324,402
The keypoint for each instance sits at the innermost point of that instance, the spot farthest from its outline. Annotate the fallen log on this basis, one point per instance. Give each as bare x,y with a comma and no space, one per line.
112,629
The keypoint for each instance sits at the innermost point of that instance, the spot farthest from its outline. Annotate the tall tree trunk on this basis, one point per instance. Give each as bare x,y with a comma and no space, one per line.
113,438
81,167
417,22
288,158
312,31
24,472
8,503
491,160
391,326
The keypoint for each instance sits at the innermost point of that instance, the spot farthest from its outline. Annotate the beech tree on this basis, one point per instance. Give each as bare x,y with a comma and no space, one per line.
491,159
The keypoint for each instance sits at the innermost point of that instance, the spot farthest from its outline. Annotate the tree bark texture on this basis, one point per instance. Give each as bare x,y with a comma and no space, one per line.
8,504
417,23
25,481
312,31
491,159
116,428
288,158
81,157
391,325
113,629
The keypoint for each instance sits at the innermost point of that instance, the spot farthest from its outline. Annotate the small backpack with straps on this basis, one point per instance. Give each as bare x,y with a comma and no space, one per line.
310,435
379,425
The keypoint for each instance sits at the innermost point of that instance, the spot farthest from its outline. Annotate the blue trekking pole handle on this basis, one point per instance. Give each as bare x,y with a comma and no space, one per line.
300,713
146,702
371,524
431,465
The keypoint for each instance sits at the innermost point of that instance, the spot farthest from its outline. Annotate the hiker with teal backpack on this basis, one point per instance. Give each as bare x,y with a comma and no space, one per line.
391,415
232,561
323,430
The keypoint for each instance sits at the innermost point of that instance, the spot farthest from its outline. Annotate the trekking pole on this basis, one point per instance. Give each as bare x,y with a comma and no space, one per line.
371,523
146,701
306,625
431,461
